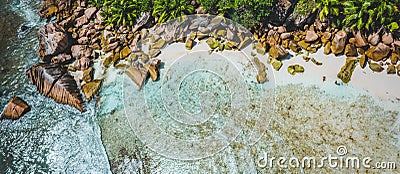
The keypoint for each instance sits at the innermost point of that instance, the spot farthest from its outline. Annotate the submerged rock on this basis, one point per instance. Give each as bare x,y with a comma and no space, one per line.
53,40
277,64
92,88
327,49
53,80
16,108
259,48
347,70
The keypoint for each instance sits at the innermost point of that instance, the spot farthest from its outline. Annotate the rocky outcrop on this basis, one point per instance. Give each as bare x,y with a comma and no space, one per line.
16,108
52,41
53,80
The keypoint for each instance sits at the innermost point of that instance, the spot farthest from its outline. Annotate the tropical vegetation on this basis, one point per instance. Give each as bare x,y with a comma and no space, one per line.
355,14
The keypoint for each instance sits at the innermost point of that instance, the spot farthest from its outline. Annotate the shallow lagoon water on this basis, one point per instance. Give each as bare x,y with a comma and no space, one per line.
307,120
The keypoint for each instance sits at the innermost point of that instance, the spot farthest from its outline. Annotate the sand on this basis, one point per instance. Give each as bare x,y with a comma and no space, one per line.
311,117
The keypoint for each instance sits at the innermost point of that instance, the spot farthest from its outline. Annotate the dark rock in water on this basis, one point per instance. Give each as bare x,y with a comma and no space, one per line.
281,11
52,41
16,107
53,80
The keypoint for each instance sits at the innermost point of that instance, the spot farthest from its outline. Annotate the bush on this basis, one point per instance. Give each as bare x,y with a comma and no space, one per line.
166,10
360,14
245,12
371,14
121,12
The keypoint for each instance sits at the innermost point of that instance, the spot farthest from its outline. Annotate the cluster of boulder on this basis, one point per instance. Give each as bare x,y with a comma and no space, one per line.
373,50
78,39
69,47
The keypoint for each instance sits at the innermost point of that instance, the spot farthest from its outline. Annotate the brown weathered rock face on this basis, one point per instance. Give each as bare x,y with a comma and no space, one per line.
52,41
16,107
379,52
339,42
311,36
90,89
53,81
137,73
360,41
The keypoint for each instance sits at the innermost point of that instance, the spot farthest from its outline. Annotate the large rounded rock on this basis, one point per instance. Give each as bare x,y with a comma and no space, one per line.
339,42
378,52
52,41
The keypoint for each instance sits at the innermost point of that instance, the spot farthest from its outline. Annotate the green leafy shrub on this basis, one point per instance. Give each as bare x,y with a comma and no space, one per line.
121,12
96,3
219,7
170,9
246,12
371,14
330,9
